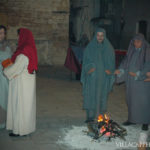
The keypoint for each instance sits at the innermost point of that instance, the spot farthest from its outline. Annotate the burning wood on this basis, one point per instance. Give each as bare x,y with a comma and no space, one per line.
103,126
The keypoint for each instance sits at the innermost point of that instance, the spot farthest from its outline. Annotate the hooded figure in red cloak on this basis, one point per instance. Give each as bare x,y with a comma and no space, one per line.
26,46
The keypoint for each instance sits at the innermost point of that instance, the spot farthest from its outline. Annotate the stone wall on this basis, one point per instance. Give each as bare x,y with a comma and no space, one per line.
82,20
47,19
135,10
132,12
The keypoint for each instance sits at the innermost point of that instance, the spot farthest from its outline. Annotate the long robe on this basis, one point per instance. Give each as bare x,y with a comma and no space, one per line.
97,85
21,115
137,91
4,54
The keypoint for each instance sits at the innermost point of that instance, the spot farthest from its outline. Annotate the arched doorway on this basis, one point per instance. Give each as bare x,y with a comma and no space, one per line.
142,27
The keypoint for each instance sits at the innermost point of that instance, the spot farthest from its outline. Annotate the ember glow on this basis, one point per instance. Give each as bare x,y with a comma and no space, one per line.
103,129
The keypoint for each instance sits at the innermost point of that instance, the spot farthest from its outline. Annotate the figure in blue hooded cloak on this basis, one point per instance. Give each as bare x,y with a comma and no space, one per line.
97,75
5,52
132,71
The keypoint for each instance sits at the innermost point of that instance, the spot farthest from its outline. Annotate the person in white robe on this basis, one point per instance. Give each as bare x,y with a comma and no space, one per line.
21,111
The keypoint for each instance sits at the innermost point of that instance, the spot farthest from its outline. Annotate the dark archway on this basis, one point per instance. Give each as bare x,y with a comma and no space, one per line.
143,27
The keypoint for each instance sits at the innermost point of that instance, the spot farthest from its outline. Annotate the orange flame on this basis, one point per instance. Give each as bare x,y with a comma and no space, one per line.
100,118
104,118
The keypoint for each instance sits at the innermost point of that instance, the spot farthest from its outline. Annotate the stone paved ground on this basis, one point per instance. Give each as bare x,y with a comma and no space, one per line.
59,105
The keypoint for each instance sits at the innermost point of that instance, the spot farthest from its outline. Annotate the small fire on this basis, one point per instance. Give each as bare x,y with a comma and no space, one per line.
105,126
104,118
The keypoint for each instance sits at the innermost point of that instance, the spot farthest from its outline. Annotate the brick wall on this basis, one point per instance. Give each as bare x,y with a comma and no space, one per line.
47,19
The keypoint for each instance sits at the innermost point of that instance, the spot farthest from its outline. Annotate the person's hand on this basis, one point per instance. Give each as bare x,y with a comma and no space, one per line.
15,76
148,74
132,74
147,80
91,70
108,72
117,72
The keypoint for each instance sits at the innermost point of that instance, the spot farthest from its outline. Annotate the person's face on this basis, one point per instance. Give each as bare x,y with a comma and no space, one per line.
137,43
100,37
2,34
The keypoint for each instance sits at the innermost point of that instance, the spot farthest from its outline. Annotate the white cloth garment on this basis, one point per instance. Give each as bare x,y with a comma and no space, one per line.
21,111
